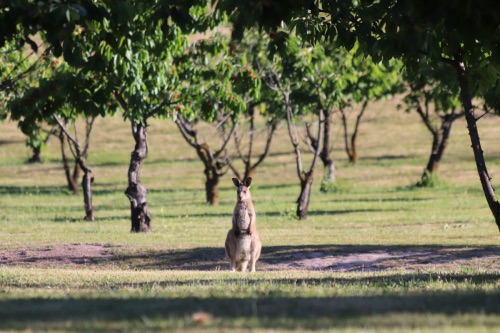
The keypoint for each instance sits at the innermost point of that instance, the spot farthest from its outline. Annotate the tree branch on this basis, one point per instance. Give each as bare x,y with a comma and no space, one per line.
295,143
187,133
88,129
358,121
65,130
266,149
226,140
320,139
424,117
121,100
238,148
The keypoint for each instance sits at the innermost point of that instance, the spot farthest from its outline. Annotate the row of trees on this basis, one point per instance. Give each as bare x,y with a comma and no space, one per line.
291,63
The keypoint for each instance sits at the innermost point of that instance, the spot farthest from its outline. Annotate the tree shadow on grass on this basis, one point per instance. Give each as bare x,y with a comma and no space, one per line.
23,190
323,257
274,258
387,157
269,312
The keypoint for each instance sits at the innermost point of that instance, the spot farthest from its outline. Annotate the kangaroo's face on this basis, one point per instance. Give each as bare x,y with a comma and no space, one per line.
243,192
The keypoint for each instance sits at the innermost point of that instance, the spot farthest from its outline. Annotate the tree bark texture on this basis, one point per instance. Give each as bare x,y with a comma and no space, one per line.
212,187
70,179
87,181
212,174
212,161
136,192
489,191
36,158
351,145
306,177
305,195
325,151
439,143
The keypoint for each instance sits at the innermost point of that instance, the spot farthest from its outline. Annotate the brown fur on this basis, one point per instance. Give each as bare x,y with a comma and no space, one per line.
243,244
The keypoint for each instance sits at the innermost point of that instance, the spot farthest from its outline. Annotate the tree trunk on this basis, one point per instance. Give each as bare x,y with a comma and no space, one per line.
489,191
350,145
36,155
87,181
330,176
76,173
353,153
305,195
212,186
249,172
71,180
439,143
137,194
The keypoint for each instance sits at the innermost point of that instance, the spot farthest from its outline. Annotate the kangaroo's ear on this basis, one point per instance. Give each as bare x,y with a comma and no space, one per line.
237,182
248,181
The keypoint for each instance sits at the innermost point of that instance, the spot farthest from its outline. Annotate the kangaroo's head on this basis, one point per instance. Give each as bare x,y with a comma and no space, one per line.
243,188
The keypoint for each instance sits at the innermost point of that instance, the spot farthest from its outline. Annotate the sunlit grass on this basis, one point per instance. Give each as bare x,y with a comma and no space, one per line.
374,207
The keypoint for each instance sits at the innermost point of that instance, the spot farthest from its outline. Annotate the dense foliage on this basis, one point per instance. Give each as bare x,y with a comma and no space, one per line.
78,58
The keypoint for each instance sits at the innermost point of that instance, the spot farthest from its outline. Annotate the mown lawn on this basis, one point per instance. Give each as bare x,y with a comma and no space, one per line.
376,254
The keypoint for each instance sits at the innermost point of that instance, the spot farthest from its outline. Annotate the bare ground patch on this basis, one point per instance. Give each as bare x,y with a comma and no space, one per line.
319,258
58,255
396,257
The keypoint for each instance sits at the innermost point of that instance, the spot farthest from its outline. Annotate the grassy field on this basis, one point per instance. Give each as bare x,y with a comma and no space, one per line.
376,254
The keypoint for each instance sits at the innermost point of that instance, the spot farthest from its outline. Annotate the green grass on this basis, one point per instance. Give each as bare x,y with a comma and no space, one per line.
158,281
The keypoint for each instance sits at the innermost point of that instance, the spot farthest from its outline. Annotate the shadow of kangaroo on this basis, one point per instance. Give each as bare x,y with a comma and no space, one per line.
243,244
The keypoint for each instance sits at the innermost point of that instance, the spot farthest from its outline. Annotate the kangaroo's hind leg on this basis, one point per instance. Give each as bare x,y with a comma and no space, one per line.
255,256
243,266
252,266
232,265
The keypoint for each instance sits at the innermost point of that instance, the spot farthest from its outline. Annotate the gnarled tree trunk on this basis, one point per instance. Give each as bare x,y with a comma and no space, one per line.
329,175
136,192
351,145
212,186
306,177
80,156
305,193
489,191
71,180
87,181
212,174
36,158
324,155
439,143
214,165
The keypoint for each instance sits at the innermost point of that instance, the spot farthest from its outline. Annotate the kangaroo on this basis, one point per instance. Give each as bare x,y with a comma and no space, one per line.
243,242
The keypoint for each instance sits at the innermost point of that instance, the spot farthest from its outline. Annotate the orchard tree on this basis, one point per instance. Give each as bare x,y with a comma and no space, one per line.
323,81
214,90
433,94
60,98
215,161
22,68
284,75
246,153
130,49
19,68
365,82
249,55
462,34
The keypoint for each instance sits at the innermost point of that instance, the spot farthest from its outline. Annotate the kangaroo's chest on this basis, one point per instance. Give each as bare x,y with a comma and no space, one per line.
242,216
